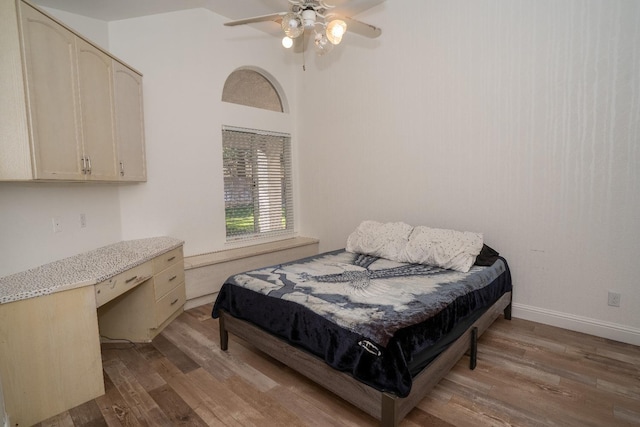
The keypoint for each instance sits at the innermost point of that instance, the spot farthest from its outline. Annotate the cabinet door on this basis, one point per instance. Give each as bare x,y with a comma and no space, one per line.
50,354
95,76
129,124
49,53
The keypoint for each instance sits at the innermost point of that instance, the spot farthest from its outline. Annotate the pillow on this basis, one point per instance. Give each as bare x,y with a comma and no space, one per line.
386,240
487,256
450,249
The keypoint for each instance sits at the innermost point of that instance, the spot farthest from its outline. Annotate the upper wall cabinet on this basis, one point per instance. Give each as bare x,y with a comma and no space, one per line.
95,78
129,124
52,90
71,114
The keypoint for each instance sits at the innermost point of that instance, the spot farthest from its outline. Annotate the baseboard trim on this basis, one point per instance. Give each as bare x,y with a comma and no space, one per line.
612,331
202,300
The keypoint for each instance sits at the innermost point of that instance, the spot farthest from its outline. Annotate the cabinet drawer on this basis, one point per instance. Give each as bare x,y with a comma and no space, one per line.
168,279
170,303
121,283
165,260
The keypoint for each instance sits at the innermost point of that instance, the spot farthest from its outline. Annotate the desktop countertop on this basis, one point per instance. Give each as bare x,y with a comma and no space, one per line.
84,269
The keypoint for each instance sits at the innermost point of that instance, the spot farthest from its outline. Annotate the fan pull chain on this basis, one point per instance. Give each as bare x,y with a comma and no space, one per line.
304,48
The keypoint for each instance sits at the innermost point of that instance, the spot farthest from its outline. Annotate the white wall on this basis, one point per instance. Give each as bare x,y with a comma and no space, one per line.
26,210
185,58
519,119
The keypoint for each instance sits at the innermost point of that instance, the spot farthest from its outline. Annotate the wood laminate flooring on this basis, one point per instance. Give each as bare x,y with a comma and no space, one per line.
528,374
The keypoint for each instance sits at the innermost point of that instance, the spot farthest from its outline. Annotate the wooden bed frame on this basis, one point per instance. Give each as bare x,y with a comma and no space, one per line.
386,407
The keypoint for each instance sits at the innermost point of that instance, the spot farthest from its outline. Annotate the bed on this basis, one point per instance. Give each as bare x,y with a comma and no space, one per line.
378,331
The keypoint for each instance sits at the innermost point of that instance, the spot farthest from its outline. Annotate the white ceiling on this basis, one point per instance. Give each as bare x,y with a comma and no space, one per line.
113,10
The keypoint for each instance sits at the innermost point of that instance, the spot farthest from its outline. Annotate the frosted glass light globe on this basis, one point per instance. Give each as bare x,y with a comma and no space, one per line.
292,25
287,42
335,30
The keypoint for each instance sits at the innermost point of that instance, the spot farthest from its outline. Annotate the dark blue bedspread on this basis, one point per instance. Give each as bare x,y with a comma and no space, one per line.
370,317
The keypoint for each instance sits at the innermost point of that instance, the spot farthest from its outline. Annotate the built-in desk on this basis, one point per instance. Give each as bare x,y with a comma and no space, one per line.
52,316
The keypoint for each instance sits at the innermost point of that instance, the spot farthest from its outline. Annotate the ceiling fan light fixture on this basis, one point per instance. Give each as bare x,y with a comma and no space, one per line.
335,30
292,25
287,42
305,16
322,44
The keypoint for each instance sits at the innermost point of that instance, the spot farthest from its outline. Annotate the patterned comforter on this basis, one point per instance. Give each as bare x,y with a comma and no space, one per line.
376,319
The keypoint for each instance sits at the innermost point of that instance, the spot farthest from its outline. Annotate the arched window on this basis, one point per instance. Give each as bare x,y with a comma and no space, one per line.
257,169
252,88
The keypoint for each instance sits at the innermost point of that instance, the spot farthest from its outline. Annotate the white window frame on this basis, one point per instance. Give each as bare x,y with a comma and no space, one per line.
257,173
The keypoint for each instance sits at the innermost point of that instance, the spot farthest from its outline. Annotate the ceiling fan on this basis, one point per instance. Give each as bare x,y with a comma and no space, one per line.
324,20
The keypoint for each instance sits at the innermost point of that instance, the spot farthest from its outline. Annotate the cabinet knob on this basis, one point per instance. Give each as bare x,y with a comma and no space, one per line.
121,168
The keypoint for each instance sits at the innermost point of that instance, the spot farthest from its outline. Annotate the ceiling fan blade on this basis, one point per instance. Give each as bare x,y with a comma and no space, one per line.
276,17
359,27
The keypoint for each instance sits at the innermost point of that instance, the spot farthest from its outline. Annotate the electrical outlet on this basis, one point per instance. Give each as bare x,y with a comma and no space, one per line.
83,220
57,225
614,299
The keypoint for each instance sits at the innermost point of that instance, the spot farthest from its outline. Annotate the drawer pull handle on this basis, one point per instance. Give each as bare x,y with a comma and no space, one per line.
131,280
173,278
174,301
171,259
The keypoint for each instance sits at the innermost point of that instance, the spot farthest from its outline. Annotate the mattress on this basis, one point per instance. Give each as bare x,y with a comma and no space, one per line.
380,321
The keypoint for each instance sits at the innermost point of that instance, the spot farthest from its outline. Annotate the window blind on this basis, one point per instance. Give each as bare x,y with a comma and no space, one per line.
257,183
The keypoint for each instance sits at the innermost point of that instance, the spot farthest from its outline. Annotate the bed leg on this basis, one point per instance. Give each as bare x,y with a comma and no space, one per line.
224,335
389,416
473,359
507,312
